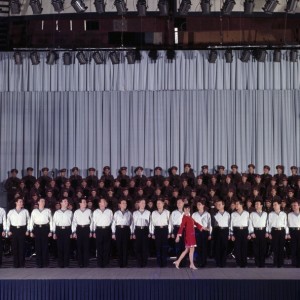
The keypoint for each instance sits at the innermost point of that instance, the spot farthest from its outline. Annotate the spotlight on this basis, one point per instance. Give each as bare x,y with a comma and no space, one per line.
52,57
269,6
82,59
227,7
260,55
130,55
35,58
163,7
212,56
277,55
153,55
184,7
291,6
141,7
245,56
79,6
138,56
170,54
114,57
36,7
228,56
67,58
121,7
15,7
98,57
58,5
293,55
248,7
205,6
18,58
100,6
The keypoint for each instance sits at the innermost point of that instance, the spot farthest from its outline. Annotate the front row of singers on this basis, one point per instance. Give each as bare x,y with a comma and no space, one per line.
189,232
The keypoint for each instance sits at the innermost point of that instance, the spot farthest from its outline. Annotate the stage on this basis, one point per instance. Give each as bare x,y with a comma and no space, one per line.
149,283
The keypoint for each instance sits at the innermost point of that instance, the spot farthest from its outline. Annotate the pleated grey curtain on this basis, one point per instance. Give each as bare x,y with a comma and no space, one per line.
149,128
189,71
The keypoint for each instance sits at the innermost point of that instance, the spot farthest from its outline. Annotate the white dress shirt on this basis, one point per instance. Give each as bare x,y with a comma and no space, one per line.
17,218
3,218
239,220
102,218
222,219
82,218
204,219
141,218
277,220
294,220
40,217
176,218
122,218
62,218
257,220
160,219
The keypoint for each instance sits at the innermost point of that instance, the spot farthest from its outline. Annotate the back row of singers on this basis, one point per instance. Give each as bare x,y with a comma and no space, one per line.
159,225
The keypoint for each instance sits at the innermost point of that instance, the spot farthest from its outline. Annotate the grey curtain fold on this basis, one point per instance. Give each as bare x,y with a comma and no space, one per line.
149,128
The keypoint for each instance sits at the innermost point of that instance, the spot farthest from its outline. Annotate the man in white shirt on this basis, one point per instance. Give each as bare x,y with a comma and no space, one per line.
220,234
40,226
81,229
176,218
202,217
257,231
2,230
160,229
294,229
17,223
141,221
62,221
278,232
239,224
102,220
122,232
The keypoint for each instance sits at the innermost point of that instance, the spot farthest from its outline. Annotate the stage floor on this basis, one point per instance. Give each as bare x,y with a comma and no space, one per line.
151,274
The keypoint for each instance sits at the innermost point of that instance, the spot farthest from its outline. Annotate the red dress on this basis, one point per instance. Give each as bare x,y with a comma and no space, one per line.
189,224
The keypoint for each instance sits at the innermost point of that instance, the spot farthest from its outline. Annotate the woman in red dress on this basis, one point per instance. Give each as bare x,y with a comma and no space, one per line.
189,225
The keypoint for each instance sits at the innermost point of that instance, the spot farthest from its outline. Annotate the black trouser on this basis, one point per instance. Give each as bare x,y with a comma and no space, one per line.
161,245
220,237
122,239
18,245
1,244
41,244
141,245
260,247
180,246
295,247
63,245
201,238
241,246
83,245
103,241
278,241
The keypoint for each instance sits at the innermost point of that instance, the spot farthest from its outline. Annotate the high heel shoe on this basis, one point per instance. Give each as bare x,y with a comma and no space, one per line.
193,268
176,265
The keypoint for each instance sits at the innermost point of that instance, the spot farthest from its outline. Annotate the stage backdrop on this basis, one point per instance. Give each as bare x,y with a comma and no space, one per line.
149,128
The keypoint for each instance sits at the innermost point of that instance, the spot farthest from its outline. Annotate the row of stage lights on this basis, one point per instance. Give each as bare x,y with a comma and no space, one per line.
132,56
163,6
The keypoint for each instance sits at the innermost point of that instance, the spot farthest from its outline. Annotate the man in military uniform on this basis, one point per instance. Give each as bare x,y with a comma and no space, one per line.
139,178
174,177
75,178
61,179
107,177
189,175
205,175
29,179
44,180
157,179
251,174
11,186
221,174
266,176
123,177
235,176
92,179
280,174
